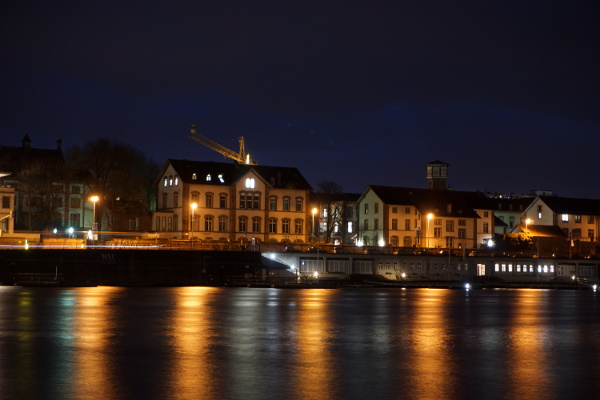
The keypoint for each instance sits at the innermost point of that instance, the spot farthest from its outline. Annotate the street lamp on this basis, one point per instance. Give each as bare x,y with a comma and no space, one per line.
429,216
194,206
527,222
94,199
314,212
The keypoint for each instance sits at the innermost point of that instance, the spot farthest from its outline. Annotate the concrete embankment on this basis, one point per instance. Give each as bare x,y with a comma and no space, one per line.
129,267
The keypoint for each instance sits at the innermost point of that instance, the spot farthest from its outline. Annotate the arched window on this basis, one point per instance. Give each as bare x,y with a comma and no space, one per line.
176,199
285,226
272,225
165,198
298,224
222,223
208,223
243,224
286,204
256,224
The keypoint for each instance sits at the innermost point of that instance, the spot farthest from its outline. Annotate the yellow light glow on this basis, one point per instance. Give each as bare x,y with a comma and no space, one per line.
314,211
94,198
429,216
194,206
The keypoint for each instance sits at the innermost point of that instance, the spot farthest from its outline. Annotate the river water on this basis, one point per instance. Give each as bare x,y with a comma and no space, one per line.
250,343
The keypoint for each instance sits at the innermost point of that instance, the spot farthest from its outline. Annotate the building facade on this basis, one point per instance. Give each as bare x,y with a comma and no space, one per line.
423,218
229,202
47,193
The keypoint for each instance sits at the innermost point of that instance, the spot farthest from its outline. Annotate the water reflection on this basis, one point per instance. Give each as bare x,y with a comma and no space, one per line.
527,375
192,330
206,343
433,372
315,370
95,325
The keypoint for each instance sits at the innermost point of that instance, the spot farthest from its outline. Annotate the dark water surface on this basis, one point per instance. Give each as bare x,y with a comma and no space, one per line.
241,343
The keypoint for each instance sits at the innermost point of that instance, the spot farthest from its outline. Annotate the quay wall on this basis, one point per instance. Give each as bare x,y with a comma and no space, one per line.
128,267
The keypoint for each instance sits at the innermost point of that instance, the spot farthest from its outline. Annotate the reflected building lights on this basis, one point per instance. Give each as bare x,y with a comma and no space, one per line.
432,376
192,374
93,329
314,337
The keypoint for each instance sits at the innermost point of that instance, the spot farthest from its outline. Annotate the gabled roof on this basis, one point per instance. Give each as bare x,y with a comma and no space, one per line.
448,203
516,205
540,230
227,174
15,159
566,205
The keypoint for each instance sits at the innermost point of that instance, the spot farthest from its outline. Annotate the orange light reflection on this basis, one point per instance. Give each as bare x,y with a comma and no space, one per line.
432,374
93,333
527,378
193,375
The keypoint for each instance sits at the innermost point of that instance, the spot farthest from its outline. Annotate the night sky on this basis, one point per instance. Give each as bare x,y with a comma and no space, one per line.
357,92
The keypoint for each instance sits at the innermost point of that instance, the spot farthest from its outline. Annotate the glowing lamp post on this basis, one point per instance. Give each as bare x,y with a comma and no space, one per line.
314,212
429,216
194,206
527,222
94,200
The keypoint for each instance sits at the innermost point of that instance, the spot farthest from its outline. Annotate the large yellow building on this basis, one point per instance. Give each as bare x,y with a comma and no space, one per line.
232,202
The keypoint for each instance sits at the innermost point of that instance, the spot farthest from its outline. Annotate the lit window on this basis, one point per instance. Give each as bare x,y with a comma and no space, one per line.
170,180
208,178
250,183
194,176
176,180
221,178
349,227
565,218
166,182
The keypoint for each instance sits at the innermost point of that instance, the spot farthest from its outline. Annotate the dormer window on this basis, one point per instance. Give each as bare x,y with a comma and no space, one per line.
250,183
221,178
194,176
208,178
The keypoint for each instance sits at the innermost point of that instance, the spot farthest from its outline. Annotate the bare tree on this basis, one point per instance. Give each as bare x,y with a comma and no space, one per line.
119,172
43,186
332,206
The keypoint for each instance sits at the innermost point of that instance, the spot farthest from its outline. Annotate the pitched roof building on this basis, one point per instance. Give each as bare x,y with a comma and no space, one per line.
48,193
427,218
232,202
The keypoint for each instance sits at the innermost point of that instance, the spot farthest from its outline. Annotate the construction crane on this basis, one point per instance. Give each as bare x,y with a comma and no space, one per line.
242,156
